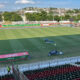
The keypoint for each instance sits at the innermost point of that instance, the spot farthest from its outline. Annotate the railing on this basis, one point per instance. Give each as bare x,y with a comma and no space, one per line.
18,75
43,64
38,65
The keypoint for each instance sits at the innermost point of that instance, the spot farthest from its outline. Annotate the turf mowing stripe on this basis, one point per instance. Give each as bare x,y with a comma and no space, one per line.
35,43
67,46
15,44
55,31
5,45
30,44
33,40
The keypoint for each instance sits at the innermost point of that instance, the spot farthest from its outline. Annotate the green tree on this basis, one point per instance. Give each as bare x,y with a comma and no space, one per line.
36,16
70,11
16,17
76,10
51,12
78,17
0,17
50,18
43,15
7,16
67,17
30,16
11,16
57,18
62,17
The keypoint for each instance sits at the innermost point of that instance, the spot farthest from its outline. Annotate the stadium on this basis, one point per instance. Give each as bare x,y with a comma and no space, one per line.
37,45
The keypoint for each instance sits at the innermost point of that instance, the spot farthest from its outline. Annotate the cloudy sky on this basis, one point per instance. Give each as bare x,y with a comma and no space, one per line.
10,5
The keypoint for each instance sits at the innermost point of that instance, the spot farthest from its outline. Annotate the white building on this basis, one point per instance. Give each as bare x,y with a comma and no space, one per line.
30,11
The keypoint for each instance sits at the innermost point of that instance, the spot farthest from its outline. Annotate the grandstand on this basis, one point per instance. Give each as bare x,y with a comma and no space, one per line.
62,69
39,43
62,72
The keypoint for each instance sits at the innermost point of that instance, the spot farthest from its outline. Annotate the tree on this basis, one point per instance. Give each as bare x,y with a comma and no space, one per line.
36,16
16,17
50,18
0,17
11,16
51,11
30,16
7,16
43,15
76,10
62,17
67,17
70,11
78,17
51,8
57,18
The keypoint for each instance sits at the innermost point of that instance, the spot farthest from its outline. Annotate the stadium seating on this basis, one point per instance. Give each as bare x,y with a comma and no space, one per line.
77,63
7,77
62,72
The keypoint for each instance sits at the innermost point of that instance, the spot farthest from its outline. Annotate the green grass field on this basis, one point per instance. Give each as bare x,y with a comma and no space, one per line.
32,40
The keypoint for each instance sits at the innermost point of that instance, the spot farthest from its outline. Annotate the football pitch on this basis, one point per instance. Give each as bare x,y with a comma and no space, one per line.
32,40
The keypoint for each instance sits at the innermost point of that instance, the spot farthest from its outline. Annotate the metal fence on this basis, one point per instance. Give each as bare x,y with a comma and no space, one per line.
49,63
43,64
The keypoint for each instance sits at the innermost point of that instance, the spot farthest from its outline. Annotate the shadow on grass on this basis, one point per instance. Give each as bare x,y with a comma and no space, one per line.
38,49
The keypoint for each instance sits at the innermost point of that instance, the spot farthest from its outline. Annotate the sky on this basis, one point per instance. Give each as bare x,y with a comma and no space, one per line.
10,5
